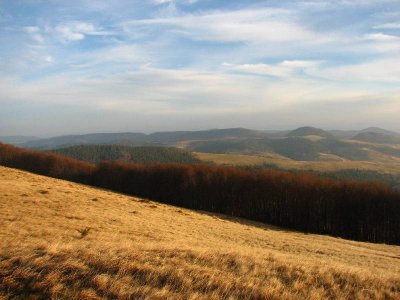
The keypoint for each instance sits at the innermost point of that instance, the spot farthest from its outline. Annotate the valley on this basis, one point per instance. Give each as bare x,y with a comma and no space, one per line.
371,151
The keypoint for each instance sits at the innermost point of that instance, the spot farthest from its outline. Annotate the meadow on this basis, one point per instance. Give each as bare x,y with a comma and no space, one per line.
327,163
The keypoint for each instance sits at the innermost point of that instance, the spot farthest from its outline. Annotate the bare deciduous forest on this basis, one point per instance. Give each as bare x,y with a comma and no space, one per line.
364,211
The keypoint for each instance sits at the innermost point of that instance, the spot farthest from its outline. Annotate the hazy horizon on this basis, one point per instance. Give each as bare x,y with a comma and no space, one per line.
200,129
165,65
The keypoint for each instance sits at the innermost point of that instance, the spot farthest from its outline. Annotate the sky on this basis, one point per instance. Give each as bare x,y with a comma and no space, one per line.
70,67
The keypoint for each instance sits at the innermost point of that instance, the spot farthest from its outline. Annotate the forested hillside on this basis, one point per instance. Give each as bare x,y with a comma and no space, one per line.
353,210
145,155
363,175
297,148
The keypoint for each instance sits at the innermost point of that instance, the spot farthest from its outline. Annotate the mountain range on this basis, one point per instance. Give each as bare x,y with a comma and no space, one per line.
304,143
371,134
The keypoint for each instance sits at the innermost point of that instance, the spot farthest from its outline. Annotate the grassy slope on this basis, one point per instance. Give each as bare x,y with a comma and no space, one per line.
137,248
381,163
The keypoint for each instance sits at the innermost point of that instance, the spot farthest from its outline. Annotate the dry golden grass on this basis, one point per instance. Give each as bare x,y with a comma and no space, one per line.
394,146
313,138
381,163
61,240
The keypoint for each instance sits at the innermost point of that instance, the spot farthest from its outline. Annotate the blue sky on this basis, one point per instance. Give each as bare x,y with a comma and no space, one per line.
106,66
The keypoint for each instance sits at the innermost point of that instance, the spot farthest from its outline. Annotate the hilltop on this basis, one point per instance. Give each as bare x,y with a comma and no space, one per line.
65,240
380,130
377,138
310,131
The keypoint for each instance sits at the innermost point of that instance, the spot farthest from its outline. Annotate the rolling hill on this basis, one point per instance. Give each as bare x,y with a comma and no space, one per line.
297,148
179,136
347,134
380,130
302,144
63,240
92,138
308,130
139,139
377,138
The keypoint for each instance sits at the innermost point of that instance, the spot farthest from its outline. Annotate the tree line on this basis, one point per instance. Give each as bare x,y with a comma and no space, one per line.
365,211
392,180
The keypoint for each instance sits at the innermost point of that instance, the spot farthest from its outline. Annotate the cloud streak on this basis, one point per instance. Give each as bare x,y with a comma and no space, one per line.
284,69
258,25
76,31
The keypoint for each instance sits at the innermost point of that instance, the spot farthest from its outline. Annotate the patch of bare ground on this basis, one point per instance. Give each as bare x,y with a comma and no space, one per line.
66,245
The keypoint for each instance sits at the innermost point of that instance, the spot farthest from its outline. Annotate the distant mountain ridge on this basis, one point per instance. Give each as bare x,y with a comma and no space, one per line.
304,143
91,138
380,130
17,139
176,136
140,139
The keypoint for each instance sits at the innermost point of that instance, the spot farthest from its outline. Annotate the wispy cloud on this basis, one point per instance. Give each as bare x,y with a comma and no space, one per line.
173,1
388,26
382,43
258,25
283,69
35,33
383,37
385,70
76,31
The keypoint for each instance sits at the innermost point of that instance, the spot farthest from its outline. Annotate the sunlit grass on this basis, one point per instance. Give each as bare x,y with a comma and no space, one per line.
63,240
380,163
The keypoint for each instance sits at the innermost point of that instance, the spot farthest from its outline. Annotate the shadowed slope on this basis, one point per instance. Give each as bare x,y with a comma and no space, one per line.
65,240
